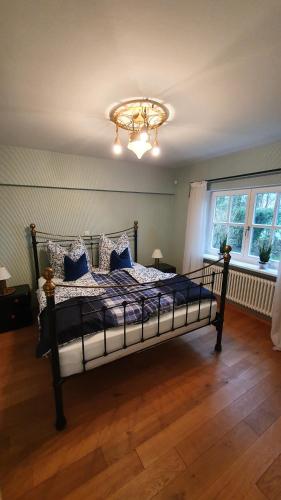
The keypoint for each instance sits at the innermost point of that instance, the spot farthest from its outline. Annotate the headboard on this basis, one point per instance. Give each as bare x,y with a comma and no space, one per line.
40,239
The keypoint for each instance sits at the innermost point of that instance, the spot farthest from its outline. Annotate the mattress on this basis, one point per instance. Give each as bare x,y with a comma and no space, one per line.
71,353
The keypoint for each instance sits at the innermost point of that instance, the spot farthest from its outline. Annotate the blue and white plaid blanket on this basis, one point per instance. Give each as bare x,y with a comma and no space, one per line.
129,297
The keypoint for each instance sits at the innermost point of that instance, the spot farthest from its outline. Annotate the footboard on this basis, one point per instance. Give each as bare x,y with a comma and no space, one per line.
161,297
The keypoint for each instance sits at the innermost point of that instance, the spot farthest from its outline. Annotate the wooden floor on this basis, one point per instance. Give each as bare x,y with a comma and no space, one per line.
175,422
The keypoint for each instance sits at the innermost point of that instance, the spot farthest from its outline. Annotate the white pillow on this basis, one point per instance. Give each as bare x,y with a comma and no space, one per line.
107,245
56,254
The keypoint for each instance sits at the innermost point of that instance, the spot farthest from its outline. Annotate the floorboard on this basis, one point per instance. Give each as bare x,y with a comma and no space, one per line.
175,422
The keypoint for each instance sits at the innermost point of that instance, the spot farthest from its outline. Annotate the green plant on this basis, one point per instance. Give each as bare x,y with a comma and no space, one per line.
264,251
223,241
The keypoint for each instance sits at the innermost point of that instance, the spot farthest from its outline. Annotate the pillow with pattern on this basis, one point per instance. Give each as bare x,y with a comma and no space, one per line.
107,245
56,254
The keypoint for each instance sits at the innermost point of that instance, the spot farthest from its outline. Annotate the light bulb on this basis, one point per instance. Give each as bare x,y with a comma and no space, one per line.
117,149
117,146
156,148
155,151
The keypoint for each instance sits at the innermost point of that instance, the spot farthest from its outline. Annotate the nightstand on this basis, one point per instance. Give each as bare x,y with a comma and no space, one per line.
165,268
15,309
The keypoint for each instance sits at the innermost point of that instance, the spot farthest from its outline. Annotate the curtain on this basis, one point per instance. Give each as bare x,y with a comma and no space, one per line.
276,314
195,227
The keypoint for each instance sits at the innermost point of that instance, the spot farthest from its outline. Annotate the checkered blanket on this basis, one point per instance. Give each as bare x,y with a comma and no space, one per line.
132,302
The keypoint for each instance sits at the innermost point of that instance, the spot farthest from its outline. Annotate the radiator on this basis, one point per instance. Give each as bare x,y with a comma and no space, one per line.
245,289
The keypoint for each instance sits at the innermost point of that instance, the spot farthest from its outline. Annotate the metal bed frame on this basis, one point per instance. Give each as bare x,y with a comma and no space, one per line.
202,275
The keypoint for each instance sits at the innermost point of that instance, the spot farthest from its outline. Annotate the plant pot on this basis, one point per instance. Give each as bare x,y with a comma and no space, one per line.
263,265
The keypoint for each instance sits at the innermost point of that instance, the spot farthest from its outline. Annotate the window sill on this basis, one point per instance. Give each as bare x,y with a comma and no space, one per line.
246,266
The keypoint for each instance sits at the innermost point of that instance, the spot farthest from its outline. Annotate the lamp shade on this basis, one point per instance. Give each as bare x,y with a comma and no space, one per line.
4,274
138,145
157,254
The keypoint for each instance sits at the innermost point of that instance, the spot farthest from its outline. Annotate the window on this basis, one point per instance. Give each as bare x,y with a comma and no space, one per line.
246,219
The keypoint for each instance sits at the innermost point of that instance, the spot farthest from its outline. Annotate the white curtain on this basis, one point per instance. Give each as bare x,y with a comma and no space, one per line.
195,227
276,314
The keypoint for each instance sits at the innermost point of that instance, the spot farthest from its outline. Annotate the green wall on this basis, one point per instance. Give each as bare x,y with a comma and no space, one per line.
87,198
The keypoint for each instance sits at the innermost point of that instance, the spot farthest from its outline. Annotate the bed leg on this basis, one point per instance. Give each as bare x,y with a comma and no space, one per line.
218,346
220,316
49,289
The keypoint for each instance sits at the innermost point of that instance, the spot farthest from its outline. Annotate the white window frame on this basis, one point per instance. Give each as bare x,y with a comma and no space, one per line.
249,225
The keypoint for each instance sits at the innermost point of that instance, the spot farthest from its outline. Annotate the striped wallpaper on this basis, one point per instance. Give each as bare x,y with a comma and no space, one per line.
76,210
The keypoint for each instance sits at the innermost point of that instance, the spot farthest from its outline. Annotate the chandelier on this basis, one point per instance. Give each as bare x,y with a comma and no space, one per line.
142,119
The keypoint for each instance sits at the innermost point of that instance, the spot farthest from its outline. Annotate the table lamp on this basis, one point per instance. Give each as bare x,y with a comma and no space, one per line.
5,275
157,254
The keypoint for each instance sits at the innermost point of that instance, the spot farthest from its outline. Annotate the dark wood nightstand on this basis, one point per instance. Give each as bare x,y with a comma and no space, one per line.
15,309
165,268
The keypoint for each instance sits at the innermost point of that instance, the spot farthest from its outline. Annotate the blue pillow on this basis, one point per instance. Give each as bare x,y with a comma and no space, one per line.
75,269
120,261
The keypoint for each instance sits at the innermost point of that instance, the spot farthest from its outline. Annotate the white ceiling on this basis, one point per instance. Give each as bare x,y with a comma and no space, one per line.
216,62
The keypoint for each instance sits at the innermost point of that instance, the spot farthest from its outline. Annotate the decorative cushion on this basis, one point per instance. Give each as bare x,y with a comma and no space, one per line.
73,270
120,261
56,254
107,245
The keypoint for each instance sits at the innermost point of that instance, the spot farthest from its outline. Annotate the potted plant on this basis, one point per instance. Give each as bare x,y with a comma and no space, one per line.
223,242
264,253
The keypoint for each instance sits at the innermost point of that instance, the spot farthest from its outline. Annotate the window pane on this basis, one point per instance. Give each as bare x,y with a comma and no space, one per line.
276,245
264,208
219,233
279,213
221,208
238,208
259,235
235,238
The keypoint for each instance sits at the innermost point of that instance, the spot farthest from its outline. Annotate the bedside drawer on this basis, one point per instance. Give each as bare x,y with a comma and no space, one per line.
16,302
12,319
165,268
15,309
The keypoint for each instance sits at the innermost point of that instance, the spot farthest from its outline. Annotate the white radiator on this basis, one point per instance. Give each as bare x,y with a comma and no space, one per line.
246,289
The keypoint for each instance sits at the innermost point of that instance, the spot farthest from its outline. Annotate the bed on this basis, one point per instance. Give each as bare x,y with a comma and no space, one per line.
105,315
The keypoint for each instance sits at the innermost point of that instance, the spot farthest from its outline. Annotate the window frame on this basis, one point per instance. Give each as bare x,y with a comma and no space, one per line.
248,225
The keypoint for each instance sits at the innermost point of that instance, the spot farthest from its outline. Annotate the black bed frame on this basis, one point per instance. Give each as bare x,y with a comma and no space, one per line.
203,276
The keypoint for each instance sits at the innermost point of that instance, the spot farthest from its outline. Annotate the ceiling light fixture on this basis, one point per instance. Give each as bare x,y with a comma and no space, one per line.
139,117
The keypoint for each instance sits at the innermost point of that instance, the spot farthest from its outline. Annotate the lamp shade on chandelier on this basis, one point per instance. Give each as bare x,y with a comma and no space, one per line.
139,144
142,119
